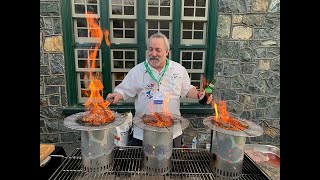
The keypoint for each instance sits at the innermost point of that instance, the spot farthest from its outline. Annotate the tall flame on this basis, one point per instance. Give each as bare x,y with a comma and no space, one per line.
224,119
99,112
165,104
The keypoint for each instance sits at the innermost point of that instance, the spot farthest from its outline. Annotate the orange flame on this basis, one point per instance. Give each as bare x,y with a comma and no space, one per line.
98,108
165,104
165,118
224,119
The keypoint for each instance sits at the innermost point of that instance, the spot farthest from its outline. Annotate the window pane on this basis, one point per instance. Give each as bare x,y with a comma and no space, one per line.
188,11
118,64
117,24
200,12
186,35
94,33
129,55
186,55
91,52
81,22
129,64
84,84
82,64
197,65
82,74
79,1
198,35
164,24
164,11
129,24
129,33
188,2
187,65
153,11
166,33
196,76
79,9
129,10
97,64
82,33
150,32
187,25
119,76
118,33
117,83
117,55
198,25
93,9
153,2
165,2
152,24
201,3
197,55
82,54
85,93
116,10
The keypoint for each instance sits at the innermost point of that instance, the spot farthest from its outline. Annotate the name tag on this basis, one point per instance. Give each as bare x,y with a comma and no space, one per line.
158,97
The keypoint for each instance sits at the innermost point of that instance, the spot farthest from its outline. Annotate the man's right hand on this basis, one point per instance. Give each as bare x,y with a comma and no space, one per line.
117,97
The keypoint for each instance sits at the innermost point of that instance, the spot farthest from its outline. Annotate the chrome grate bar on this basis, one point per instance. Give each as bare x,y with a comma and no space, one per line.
186,164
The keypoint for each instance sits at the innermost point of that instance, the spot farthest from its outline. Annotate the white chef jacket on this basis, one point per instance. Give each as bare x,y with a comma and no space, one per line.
139,84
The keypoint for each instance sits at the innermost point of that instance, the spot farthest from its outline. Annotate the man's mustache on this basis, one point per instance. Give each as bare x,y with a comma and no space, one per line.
154,58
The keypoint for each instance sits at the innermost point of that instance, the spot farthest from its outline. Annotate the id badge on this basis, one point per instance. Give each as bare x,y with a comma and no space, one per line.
158,97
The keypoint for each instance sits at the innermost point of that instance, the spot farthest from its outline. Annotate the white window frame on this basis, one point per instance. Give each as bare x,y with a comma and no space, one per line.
87,69
203,60
194,41
112,16
200,80
123,40
183,18
82,40
170,30
75,15
114,70
158,17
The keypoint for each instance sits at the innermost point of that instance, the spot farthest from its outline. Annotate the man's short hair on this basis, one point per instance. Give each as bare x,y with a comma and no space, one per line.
160,35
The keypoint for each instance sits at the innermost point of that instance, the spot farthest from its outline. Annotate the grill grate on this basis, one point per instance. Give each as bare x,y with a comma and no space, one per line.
128,164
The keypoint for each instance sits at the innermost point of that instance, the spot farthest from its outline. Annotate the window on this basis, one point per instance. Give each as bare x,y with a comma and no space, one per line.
186,23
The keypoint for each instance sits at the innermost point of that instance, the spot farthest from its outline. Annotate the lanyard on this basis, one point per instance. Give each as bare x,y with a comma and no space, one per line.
151,74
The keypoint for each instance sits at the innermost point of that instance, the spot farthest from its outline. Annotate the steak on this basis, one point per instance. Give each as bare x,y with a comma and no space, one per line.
158,119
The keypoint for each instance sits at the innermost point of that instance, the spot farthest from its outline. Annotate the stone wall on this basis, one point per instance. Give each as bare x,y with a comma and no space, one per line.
247,65
247,70
52,76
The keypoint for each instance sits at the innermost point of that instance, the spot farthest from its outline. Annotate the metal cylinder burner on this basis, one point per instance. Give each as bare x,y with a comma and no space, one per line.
157,144
227,148
97,142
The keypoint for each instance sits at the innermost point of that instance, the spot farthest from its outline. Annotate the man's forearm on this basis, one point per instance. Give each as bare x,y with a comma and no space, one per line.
193,93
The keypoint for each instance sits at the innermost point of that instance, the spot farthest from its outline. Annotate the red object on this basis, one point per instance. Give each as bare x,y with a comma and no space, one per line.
198,95
273,159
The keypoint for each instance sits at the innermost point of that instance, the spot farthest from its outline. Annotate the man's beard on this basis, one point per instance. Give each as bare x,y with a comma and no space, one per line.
154,61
